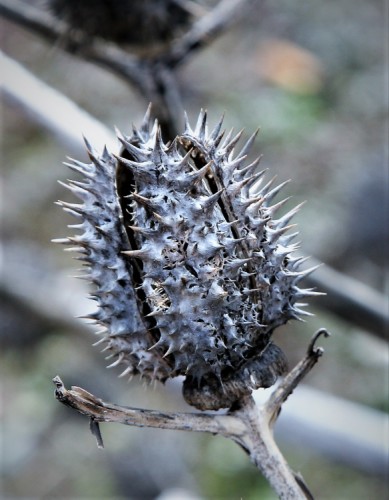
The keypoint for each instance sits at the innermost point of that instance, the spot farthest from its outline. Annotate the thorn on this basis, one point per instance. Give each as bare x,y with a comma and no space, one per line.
156,312
236,187
301,312
95,430
264,190
61,241
127,371
137,153
227,139
286,239
160,219
273,209
159,146
296,262
306,292
137,254
251,167
224,226
103,330
216,130
258,200
118,361
170,350
75,249
230,167
142,200
187,127
160,341
81,185
211,200
185,160
232,143
201,125
79,168
105,155
288,216
271,194
274,234
303,274
145,126
142,230
88,146
197,176
237,263
247,146
99,342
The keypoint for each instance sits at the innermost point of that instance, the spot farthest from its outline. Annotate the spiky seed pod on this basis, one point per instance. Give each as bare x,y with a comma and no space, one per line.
139,22
192,269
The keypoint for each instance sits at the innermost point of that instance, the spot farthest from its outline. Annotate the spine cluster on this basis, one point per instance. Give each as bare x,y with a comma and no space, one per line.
192,268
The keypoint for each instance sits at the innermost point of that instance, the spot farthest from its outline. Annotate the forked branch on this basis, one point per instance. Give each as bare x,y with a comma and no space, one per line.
153,76
245,423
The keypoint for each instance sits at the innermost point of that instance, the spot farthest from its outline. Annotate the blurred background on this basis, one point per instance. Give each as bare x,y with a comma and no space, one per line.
313,77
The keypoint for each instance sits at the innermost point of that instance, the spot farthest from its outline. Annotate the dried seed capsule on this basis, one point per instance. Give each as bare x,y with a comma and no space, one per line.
192,271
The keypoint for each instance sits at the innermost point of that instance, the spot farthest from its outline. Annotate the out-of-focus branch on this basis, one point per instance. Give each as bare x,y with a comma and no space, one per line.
50,314
55,31
33,19
352,300
343,431
143,75
153,76
53,110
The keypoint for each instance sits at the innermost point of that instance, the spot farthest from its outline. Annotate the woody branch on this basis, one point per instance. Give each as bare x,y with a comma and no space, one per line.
246,424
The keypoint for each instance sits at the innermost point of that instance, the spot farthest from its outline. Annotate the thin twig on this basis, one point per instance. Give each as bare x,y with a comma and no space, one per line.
134,71
42,102
93,407
293,378
352,300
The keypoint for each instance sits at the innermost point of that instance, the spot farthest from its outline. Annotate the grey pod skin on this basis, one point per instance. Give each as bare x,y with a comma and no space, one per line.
192,269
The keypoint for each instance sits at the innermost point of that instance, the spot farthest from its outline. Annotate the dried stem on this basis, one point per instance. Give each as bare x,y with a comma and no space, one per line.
294,377
245,423
265,454
99,411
